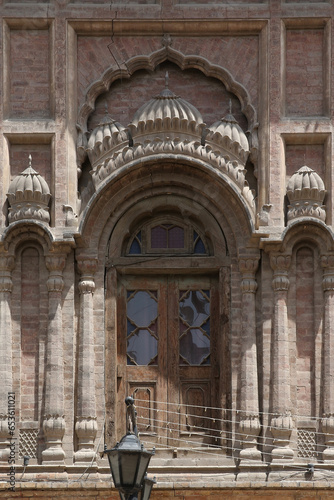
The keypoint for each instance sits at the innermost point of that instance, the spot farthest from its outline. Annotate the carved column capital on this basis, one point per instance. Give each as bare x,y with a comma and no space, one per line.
327,263
7,264
280,264
87,266
248,267
55,264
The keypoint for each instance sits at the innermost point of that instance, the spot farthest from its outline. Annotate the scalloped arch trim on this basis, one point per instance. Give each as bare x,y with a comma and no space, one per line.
150,62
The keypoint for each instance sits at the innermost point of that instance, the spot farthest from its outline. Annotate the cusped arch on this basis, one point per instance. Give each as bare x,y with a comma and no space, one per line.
128,186
149,62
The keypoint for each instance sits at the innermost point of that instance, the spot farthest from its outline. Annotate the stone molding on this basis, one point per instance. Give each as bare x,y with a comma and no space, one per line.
157,149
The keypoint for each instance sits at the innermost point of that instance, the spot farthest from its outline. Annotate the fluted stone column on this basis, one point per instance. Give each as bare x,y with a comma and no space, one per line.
327,262
54,422
249,425
281,423
86,426
6,286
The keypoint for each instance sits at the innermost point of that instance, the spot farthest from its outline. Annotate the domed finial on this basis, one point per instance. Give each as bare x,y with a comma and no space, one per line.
166,80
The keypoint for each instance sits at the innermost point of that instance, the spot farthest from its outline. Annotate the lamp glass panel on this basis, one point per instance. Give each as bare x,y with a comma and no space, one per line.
145,459
114,466
129,465
146,489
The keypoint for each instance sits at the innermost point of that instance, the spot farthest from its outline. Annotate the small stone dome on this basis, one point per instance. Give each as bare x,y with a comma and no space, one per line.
167,112
227,133
29,196
108,134
306,193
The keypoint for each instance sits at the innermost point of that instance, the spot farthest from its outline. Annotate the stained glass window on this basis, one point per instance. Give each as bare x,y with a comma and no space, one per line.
199,247
194,327
167,236
135,247
142,334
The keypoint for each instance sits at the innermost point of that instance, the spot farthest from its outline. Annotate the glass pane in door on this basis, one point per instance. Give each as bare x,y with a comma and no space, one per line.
194,327
142,339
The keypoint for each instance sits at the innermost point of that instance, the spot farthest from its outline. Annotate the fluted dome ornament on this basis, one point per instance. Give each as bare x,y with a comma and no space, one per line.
169,114
227,134
306,193
29,196
104,138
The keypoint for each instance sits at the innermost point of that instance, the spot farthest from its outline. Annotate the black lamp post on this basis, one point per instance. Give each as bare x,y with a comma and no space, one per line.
129,461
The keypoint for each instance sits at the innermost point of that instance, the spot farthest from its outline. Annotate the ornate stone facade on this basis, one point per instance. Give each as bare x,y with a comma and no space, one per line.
167,233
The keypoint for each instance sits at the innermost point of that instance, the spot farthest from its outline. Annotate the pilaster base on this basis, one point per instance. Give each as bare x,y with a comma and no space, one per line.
54,429
86,429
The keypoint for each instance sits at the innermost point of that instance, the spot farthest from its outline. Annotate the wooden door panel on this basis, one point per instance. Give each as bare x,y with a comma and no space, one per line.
172,393
144,379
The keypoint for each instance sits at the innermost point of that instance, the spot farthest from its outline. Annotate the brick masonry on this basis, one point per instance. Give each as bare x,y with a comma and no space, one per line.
65,61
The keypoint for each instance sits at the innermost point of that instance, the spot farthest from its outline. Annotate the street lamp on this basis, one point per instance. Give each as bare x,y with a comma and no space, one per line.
129,460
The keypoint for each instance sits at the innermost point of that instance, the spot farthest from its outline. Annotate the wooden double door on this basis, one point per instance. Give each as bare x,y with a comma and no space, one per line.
169,357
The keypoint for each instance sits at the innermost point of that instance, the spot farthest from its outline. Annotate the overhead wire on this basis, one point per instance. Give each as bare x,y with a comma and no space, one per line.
219,420
222,433
233,410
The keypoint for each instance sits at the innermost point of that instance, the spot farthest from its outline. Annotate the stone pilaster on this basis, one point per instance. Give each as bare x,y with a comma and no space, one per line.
86,426
54,422
6,286
281,423
327,262
249,425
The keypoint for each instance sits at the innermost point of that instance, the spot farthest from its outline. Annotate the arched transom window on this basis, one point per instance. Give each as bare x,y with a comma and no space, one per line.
167,236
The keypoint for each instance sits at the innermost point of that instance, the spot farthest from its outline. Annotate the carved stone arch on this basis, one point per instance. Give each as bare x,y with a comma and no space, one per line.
25,231
149,62
179,207
143,180
311,232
